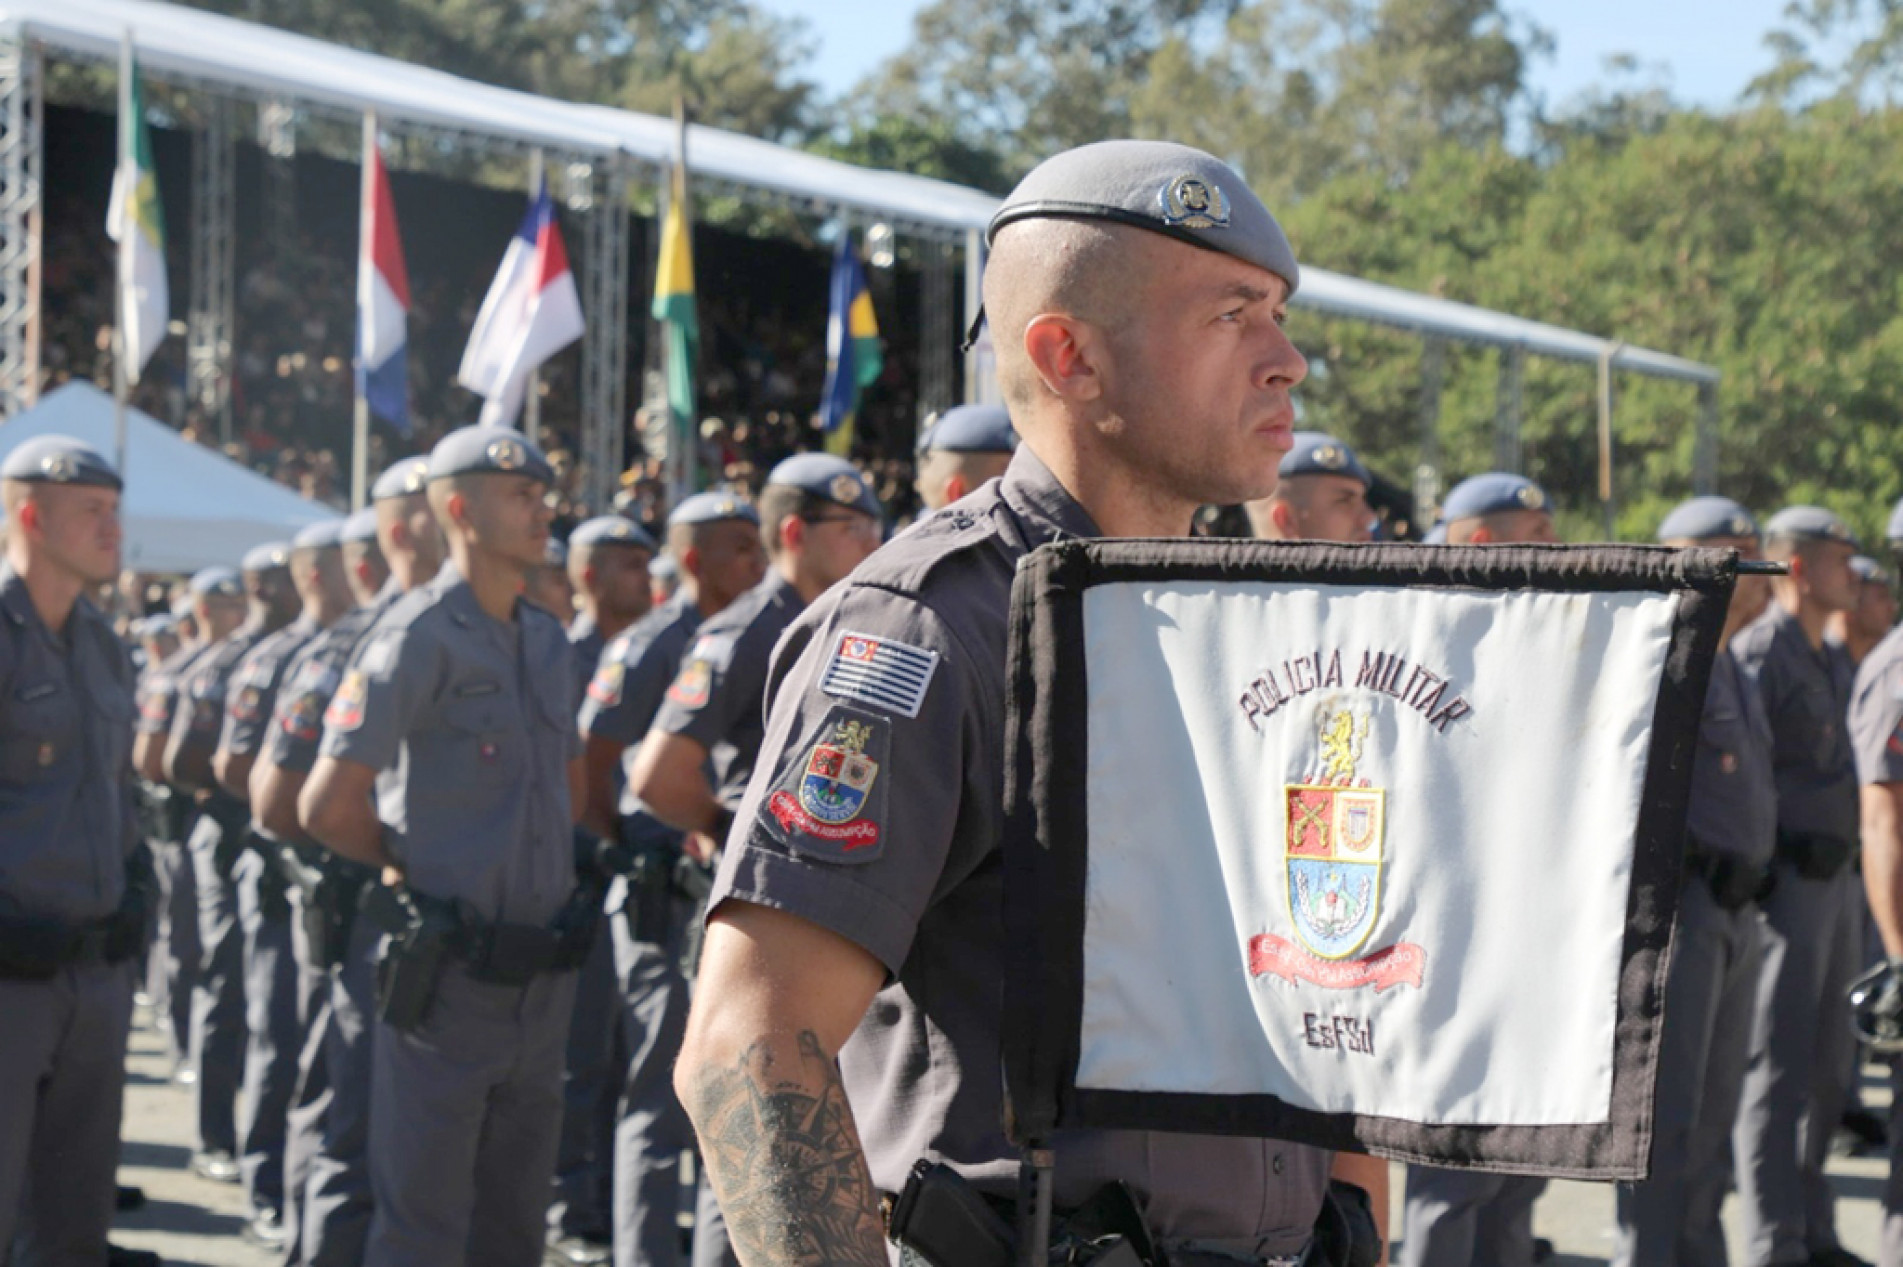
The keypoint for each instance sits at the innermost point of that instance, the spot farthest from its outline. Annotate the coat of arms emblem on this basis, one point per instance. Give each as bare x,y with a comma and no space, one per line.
1334,846
838,775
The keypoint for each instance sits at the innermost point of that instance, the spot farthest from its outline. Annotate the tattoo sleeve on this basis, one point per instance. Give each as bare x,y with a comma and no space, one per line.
784,1157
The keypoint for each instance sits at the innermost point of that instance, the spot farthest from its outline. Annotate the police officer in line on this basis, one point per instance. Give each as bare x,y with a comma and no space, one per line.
608,568
1671,1217
158,637
167,815
1876,739
1860,629
72,874
1468,1218
392,547
457,716
664,579
715,539
270,971
548,586
1136,291
1794,1088
1322,495
961,449
218,839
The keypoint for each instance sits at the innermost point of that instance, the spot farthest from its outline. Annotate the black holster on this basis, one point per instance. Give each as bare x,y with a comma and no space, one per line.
233,820
1733,882
947,1222
1815,855
330,889
411,966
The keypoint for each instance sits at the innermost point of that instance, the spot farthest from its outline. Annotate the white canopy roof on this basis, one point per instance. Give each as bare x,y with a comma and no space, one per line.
185,506
182,43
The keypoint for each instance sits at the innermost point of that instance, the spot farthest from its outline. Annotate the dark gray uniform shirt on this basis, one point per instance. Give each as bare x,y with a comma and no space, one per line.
158,690
1876,712
311,678
470,723
255,684
198,713
717,698
1806,695
585,637
66,817
634,672
1734,793
875,812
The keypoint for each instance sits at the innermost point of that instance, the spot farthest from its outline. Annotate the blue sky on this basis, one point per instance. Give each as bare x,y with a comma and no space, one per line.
1705,50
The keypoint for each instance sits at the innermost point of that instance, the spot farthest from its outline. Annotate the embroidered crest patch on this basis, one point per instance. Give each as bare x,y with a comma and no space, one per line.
346,707
605,687
831,805
883,672
710,654
246,705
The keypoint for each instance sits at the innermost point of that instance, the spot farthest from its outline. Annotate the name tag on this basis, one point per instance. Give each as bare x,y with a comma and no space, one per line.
469,690
40,690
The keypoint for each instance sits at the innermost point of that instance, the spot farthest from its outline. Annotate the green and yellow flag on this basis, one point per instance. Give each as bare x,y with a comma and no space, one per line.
674,309
854,355
136,221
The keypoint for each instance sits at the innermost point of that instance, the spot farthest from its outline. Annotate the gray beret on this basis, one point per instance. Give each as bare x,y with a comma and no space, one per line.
400,479
1808,523
327,535
1869,570
59,460
267,557
664,567
555,554
1318,454
709,508
1702,518
1895,529
829,478
1492,493
217,582
612,530
1155,185
488,451
1436,536
157,625
359,528
969,429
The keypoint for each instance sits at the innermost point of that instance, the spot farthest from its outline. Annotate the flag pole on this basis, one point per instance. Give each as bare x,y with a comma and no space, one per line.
690,427
123,264
532,403
360,419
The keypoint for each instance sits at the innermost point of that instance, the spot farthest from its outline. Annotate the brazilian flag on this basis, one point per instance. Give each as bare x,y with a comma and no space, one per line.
853,355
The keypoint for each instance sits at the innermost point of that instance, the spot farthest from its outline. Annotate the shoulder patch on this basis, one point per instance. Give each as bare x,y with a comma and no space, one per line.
883,672
378,656
605,687
710,654
830,804
346,707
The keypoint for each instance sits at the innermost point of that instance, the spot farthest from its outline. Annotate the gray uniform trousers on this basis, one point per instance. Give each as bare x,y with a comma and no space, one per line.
218,1019
271,1048
584,1160
310,1101
1464,1218
1890,1250
1671,1219
337,1202
62,1085
464,1120
653,1129
1793,1087
173,960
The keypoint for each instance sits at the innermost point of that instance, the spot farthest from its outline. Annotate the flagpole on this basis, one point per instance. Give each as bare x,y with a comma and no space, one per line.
532,404
120,379
360,420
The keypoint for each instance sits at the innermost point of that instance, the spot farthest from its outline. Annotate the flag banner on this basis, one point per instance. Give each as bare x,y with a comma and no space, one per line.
854,356
532,311
1370,847
504,309
673,307
383,301
135,219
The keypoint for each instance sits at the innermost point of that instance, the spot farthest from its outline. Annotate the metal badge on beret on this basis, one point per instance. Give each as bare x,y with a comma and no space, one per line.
1192,203
1530,497
846,488
1742,527
59,467
507,455
1331,457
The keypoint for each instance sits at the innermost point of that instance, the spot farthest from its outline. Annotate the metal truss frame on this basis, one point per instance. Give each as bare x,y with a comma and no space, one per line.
210,314
22,192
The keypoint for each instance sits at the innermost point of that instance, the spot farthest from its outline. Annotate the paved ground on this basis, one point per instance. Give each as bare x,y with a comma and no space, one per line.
192,1222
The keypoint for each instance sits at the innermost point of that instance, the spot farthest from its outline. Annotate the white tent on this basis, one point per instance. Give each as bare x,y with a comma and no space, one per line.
185,506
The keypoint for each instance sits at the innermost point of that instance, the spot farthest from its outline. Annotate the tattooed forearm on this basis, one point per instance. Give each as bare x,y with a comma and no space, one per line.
784,1157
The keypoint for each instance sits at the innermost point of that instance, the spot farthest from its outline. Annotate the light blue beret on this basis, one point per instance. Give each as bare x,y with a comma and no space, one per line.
267,557
1702,518
711,507
1808,523
1492,493
970,429
612,530
59,460
400,479
488,451
829,478
1318,454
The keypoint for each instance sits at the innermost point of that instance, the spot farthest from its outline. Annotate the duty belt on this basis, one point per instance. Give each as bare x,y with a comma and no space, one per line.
1733,881
34,950
1814,855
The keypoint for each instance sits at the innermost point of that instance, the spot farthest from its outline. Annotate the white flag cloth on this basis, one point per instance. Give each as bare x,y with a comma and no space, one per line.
532,311
1367,851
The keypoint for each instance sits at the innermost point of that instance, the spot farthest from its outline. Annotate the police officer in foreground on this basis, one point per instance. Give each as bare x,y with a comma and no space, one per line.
1710,996
1136,291
715,537
1876,738
1794,1087
391,547
1469,1218
608,569
449,758
270,969
1322,495
959,450
72,879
